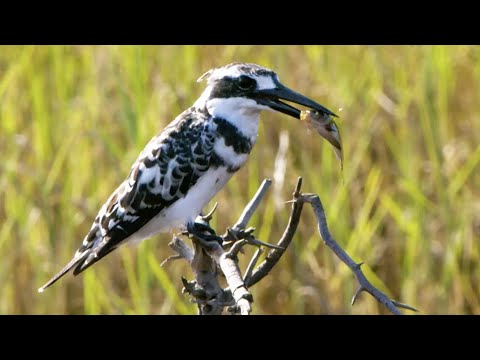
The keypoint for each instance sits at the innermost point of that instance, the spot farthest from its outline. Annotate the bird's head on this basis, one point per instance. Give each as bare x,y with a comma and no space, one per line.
246,89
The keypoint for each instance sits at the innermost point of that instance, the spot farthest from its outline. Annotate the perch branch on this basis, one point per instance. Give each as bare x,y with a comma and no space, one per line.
207,254
209,257
228,264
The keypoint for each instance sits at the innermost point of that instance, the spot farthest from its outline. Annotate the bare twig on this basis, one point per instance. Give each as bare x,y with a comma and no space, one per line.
365,285
252,205
404,306
235,249
251,265
182,249
252,241
171,258
209,216
274,255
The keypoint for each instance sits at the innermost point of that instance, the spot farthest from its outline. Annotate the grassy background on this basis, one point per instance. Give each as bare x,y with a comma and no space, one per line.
74,118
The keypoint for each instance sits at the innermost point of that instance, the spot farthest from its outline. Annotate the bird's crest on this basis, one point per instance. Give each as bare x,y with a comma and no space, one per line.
206,75
236,68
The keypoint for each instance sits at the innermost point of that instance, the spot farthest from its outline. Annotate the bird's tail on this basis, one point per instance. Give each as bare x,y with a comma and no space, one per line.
76,259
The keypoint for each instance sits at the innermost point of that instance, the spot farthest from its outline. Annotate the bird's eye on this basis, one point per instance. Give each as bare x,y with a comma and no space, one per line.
246,83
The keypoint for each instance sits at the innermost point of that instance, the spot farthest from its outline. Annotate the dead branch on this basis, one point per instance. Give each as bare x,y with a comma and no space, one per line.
215,256
364,284
274,255
252,205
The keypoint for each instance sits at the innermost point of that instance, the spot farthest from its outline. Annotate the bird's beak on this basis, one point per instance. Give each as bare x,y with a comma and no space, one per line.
272,97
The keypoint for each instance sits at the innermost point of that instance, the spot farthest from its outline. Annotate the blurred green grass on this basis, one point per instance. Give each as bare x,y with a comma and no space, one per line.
74,118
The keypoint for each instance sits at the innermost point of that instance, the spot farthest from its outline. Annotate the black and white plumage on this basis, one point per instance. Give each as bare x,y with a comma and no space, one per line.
184,166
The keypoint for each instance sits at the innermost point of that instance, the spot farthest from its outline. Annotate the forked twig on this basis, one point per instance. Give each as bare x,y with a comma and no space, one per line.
365,285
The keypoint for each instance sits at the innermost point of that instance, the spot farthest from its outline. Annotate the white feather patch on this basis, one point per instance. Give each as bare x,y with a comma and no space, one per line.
228,154
241,112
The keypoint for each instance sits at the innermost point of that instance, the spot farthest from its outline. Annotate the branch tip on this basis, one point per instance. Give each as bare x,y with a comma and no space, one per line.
296,194
355,296
251,265
359,265
404,306
256,242
171,258
209,216
252,205
235,249
249,231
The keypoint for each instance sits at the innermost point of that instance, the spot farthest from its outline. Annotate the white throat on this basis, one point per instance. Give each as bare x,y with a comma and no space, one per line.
243,113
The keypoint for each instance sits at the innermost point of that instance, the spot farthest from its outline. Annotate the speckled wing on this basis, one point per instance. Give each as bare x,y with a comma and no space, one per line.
169,165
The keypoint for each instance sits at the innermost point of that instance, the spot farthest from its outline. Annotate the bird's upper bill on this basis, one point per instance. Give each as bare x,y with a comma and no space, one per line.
257,83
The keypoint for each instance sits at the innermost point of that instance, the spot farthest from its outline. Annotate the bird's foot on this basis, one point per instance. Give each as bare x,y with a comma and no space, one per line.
199,226
204,234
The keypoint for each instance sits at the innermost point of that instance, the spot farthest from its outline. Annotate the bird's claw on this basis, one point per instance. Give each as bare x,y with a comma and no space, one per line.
204,234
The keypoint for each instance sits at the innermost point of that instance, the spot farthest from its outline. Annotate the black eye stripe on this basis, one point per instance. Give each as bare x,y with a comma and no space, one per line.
245,82
230,86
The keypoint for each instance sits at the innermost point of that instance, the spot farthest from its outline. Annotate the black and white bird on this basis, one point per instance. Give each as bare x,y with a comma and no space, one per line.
185,165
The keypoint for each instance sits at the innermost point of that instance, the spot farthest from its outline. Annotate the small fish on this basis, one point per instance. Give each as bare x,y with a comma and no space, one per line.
326,127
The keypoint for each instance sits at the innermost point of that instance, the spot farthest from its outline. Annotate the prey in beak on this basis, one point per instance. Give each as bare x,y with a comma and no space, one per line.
326,127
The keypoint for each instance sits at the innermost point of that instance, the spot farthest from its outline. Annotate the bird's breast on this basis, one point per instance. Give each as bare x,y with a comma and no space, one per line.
225,156
232,146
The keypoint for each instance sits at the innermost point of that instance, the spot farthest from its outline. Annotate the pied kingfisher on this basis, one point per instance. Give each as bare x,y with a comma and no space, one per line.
185,165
